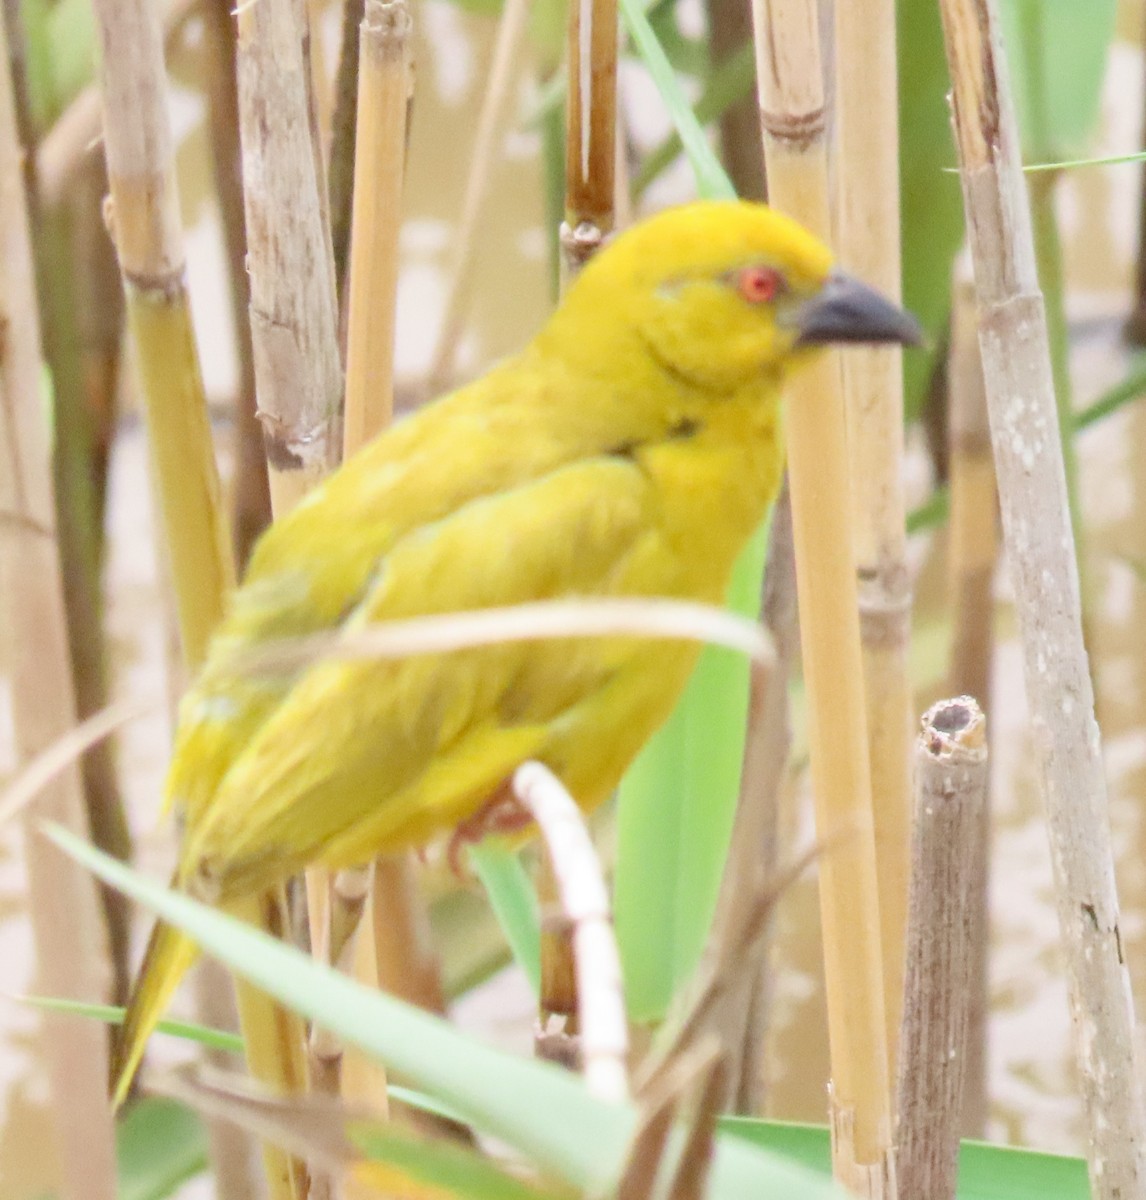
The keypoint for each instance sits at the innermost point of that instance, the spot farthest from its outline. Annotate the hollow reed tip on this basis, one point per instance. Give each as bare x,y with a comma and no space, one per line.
957,724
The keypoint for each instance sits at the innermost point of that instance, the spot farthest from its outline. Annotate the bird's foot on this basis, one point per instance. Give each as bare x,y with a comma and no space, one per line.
501,814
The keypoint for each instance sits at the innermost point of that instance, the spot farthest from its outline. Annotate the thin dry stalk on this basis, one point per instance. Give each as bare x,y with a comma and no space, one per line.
790,79
1040,547
390,888
950,794
591,132
250,493
755,835
490,129
972,556
601,1016
867,240
730,26
71,957
298,374
693,1069
379,157
340,174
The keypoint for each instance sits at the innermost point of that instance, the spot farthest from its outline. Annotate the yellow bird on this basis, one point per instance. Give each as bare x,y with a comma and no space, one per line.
630,449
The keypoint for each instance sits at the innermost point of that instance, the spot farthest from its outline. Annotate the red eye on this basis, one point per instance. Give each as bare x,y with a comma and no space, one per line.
758,285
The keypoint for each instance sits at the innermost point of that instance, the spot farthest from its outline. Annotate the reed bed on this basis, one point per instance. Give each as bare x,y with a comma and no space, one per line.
643,935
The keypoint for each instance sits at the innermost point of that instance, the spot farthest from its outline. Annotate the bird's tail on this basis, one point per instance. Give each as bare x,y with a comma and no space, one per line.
169,956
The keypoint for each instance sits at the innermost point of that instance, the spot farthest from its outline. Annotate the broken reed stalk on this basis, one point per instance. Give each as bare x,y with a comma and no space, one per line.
790,81
972,551
950,795
293,315
487,140
591,132
1040,549
298,373
603,1025
867,242
71,956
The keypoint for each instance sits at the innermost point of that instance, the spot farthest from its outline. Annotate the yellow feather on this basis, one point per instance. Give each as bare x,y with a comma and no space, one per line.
629,450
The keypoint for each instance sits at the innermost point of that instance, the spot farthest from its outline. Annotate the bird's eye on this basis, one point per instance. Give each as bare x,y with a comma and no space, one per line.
758,285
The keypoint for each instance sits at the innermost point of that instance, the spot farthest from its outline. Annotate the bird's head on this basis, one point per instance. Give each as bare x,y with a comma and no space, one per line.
719,293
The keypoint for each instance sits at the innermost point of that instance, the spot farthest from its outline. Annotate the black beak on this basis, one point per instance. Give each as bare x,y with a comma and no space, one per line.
845,310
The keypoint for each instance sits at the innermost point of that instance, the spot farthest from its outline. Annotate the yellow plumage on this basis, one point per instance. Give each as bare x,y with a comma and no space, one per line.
629,450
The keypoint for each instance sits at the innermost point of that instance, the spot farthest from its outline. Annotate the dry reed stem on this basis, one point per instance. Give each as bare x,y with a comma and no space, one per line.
384,79
591,132
755,835
740,948
603,1025
972,556
147,230
1040,549
790,80
149,242
693,1069
379,166
71,957
950,794
298,373
487,140
250,492
293,314
867,241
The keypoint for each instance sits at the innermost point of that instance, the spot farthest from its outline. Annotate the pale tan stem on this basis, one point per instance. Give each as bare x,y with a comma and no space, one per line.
950,793
71,956
867,241
490,127
1040,550
601,1019
379,157
790,78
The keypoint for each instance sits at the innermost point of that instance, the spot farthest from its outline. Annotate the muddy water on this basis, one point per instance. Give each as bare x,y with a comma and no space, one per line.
1032,1091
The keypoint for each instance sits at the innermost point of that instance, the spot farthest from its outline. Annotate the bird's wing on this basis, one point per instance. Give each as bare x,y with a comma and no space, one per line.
357,746
315,566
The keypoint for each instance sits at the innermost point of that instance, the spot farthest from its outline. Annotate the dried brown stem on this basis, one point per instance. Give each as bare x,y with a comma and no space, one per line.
950,792
591,131
1040,548
342,137
62,899
790,79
